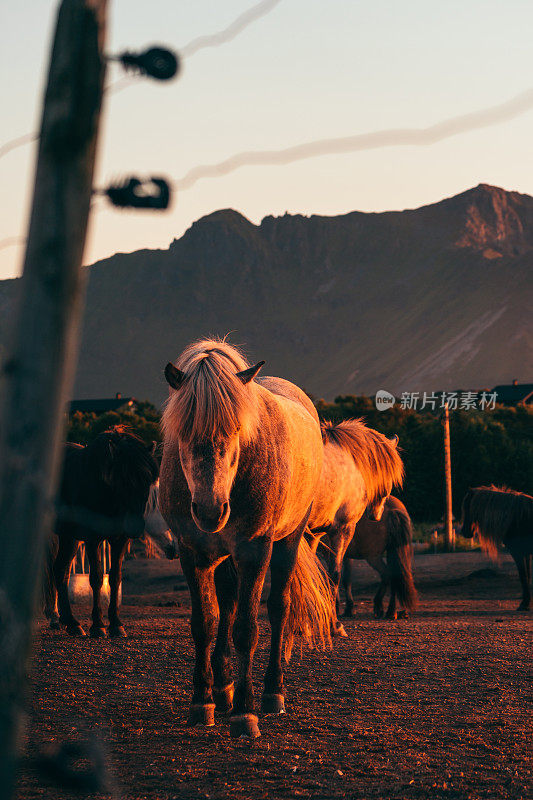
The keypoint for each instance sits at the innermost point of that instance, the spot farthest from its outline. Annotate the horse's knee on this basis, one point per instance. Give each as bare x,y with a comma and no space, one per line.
245,635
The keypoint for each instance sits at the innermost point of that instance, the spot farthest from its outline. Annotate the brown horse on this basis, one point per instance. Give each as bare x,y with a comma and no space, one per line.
502,516
359,470
241,464
393,535
103,495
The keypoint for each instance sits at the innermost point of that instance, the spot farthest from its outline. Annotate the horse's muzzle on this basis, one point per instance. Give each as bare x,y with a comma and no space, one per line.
210,519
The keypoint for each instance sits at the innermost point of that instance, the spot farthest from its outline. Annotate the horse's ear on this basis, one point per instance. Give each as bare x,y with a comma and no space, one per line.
249,374
174,376
395,439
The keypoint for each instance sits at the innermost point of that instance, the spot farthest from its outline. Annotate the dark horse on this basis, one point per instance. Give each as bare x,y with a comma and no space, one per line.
502,516
241,464
393,535
103,495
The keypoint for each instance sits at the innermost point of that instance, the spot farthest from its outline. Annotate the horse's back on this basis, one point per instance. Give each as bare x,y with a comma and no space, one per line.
393,504
371,536
288,390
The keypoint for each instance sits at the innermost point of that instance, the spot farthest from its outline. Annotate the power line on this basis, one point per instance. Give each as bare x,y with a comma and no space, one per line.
237,26
217,39
18,142
395,137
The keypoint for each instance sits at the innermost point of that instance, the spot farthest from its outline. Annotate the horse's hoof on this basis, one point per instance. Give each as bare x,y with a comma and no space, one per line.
273,704
224,699
378,613
75,629
97,632
54,624
348,613
403,614
523,607
244,726
339,630
391,616
201,714
117,632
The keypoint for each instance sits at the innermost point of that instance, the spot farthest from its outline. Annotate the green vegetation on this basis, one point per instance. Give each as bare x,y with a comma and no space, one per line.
487,446
144,421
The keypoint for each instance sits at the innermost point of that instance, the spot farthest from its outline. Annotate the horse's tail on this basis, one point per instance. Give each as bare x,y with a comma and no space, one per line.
399,557
48,590
312,602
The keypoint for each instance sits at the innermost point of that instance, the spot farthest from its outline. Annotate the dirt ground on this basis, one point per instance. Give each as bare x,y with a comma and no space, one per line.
439,706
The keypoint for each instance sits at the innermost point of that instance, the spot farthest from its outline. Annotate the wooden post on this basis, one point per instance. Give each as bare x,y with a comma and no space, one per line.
449,538
37,374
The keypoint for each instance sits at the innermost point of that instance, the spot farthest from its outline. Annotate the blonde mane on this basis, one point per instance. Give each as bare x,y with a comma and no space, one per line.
376,457
212,398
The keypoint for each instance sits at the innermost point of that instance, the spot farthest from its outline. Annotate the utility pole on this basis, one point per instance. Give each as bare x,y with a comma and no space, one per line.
449,535
37,373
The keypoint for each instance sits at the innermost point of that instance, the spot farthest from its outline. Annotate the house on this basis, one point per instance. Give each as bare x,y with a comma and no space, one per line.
102,405
514,394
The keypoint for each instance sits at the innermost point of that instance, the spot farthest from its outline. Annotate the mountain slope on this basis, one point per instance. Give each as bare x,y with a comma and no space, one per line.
432,298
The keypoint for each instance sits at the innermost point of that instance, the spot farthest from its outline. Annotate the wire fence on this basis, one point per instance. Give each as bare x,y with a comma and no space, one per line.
394,137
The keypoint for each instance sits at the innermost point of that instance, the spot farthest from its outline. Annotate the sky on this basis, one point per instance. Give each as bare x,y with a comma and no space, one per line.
307,70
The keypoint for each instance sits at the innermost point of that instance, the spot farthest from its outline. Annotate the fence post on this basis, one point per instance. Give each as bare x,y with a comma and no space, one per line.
449,537
37,373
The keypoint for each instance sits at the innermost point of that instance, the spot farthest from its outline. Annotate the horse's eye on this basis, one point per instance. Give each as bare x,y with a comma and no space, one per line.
233,459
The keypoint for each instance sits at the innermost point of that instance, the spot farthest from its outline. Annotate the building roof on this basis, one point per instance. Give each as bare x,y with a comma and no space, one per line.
514,393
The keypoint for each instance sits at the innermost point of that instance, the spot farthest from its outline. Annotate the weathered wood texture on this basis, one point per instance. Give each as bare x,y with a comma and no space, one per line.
37,375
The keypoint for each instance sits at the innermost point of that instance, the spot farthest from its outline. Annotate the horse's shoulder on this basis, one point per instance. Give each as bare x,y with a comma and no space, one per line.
281,388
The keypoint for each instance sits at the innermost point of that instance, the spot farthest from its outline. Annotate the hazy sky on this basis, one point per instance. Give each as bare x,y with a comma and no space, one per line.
308,70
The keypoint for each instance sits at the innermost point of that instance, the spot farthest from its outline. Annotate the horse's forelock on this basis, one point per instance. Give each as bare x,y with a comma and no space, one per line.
212,399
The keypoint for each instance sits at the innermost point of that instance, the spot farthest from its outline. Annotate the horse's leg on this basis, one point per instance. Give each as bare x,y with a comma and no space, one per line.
282,564
252,563
96,578
339,540
203,626
377,563
65,555
118,547
521,562
226,589
391,610
49,584
347,584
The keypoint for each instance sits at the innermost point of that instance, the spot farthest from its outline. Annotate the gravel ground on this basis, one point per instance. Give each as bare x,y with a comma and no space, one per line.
437,706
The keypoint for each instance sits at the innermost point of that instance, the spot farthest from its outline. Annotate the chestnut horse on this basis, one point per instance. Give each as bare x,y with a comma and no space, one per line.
241,464
393,535
502,516
359,470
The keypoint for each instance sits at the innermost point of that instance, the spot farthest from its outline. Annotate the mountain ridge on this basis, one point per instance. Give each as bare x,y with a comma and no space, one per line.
421,299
